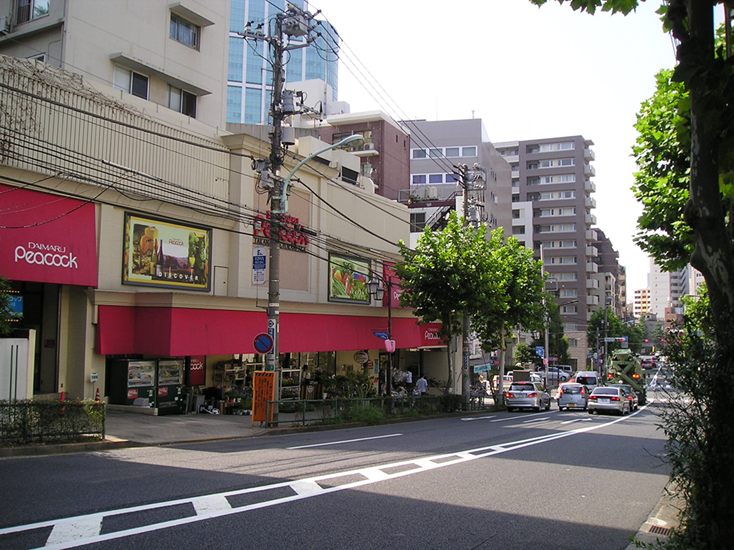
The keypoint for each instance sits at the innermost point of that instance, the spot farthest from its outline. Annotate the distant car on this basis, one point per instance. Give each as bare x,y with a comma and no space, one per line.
572,396
555,375
527,395
588,378
610,399
631,394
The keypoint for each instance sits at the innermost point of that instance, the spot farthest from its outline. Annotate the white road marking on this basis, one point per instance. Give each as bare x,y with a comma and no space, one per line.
536,419
343,441
211,503
83,530
470,418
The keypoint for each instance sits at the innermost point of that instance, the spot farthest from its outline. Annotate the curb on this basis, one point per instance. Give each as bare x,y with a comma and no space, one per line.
660,524
67,448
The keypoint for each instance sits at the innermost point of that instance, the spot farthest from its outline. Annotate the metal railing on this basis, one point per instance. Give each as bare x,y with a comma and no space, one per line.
370,410
27,421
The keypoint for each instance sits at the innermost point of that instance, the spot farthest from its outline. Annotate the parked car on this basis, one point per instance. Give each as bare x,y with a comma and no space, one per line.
572,396
588,378
611,399
555,375
527,395
568,369
631,394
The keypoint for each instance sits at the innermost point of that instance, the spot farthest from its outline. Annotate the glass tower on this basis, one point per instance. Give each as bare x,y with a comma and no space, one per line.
249,74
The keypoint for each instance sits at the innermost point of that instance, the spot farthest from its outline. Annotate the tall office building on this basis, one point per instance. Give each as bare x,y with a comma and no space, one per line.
667,288
642,302
554,177
249,75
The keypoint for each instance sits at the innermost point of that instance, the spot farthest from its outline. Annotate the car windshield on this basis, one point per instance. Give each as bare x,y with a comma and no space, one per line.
571,388
586,379
522,387
606,391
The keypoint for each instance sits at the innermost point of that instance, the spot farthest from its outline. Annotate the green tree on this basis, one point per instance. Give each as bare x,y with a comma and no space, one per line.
524,353
706,476
445,276
512,297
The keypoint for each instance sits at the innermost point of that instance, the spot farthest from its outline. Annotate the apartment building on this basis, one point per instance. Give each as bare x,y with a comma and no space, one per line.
667,288
552,178
641,302
437,149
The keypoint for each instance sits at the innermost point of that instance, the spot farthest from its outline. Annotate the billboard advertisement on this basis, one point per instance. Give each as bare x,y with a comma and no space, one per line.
348,279
165,254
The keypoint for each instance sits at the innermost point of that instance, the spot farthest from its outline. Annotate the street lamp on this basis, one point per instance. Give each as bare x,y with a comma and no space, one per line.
281,207
378,292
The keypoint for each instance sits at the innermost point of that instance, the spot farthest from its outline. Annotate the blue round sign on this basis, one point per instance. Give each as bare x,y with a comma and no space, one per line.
263,343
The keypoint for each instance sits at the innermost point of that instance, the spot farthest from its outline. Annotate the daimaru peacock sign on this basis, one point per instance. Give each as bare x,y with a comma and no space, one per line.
45,238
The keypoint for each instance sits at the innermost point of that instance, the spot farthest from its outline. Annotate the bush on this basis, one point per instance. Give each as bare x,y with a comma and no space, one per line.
367,415
28,421
451,402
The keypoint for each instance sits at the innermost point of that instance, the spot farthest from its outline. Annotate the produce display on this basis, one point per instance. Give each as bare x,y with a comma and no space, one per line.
348,283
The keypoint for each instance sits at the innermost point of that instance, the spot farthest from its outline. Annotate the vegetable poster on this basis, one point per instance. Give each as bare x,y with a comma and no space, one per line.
348,279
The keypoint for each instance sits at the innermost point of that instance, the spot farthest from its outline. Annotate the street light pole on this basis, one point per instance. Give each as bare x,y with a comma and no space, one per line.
374,289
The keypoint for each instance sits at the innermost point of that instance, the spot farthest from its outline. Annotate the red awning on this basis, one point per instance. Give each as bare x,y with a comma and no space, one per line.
180,331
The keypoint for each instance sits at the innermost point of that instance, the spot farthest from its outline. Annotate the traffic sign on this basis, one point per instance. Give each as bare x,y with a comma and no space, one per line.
539,351
263,343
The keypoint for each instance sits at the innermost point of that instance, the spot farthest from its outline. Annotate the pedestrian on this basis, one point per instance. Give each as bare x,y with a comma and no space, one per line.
422,385
409,381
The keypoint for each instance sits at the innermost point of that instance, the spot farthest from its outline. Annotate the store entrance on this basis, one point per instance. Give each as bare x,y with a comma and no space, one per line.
39,305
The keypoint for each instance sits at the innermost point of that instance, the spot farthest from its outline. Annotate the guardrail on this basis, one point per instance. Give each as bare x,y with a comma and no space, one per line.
24,422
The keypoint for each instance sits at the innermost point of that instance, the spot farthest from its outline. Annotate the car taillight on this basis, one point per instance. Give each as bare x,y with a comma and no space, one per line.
636,376
610,375
534,394
560,393
592,397
582,391
508,394
615,398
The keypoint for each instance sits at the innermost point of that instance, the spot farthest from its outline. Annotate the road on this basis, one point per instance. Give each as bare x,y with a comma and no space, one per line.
545,480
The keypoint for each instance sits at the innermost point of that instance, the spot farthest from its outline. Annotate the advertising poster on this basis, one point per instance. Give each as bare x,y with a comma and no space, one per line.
165,254
348,279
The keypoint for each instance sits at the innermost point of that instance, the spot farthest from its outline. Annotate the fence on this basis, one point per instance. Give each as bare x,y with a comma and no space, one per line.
27,421
367,410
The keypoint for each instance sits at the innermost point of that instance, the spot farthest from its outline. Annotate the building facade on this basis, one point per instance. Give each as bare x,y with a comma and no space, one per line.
149,225
554,176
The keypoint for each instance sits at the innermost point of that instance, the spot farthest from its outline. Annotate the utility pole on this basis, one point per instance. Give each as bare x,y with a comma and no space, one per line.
292,23
471,181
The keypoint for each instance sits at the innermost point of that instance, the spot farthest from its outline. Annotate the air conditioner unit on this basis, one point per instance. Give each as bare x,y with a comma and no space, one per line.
431,193
369,146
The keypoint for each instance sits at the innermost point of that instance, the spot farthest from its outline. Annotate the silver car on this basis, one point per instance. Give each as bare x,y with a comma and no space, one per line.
572,396
631,394
527,395
611,399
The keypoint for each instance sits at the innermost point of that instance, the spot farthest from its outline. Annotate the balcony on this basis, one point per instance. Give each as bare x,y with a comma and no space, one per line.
590,202
589,154
592,300
590,219
589,170
591,267
589,187
592,284
591,235
592,251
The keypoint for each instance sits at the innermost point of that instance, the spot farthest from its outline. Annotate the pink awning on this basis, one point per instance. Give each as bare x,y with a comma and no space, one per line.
180,331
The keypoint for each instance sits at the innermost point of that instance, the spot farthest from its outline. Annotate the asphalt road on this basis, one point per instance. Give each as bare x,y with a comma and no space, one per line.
550,480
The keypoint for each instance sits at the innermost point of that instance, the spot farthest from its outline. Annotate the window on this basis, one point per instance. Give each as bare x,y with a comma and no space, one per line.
435,178
418,153
469,151
566,244
451,178
569,309
515,214
417,222
130,82
185,32
29,10
565,146
435,153
566,276
518,230
452,151
567,178
419,179
573,342
558,260
568,293
566,162
182,101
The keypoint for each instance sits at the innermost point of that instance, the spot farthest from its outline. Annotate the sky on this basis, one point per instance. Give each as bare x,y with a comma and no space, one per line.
527,72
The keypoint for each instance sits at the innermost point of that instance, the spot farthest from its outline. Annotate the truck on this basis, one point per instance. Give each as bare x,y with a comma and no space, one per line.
624,368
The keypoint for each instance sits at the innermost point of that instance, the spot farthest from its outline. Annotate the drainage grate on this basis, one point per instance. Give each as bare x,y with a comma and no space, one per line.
657,530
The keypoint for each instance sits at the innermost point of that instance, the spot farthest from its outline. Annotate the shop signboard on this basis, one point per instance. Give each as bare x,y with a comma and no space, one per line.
263,390
348,278
47,239
388,273
197,372
164,254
